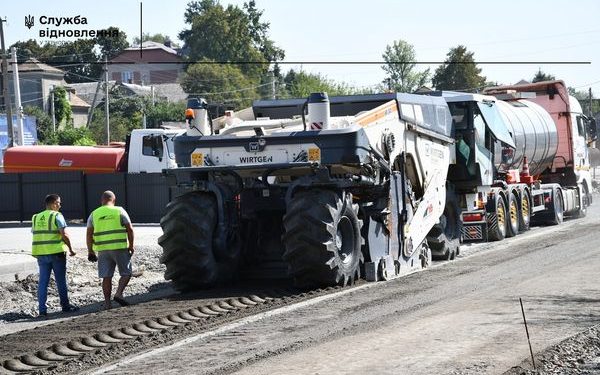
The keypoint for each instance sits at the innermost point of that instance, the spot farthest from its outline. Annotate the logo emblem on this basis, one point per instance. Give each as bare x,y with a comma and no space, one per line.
65,163
257,146
29,21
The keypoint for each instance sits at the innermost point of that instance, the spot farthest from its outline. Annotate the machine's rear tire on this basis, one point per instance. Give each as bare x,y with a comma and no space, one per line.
444,238
322,239
187,241
496,218
513,216
525,211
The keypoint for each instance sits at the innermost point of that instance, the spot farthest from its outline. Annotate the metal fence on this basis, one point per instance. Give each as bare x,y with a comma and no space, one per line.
144,196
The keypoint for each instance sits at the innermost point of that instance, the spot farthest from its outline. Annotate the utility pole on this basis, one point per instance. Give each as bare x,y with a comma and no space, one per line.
152,94
18,106
52,110
5,94
106,114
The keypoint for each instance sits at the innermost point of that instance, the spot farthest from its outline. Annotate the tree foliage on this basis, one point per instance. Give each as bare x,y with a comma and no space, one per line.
112,46
301,84
400,67
158,38
541,76
62,107
219,83
458,72
230,34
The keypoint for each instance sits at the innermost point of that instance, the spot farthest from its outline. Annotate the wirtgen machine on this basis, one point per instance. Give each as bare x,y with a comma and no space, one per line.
329,188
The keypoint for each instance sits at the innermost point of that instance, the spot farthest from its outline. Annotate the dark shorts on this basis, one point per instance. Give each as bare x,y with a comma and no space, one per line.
108,259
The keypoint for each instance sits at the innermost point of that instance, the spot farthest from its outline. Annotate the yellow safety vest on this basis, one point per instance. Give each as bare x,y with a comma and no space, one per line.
109,234
46,236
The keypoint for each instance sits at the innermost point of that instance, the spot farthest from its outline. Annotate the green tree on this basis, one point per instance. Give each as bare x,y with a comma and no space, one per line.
229,34
110,45
219,83
541,76
62,107
301,84
158,37
458,72
400,67
71,136
164,111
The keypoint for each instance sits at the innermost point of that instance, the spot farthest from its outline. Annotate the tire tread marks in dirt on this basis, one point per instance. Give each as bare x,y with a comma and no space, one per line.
311,225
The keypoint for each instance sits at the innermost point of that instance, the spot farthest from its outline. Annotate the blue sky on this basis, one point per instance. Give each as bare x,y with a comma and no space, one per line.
509,30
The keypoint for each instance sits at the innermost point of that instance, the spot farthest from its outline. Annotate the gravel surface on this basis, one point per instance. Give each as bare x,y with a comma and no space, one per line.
579,354
18,299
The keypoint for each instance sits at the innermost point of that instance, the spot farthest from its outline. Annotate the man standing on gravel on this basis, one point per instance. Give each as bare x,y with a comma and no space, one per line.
110,234
49,246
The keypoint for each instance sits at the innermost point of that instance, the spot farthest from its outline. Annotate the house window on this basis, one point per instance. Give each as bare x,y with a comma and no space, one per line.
127,77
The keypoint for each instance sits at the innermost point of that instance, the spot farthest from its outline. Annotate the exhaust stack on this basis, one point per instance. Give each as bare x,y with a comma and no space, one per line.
318,111
196,116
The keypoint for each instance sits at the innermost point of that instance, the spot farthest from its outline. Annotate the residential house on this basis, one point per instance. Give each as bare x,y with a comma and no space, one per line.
154,63
36,82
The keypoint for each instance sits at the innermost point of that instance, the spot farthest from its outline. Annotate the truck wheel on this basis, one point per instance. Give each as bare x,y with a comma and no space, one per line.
496,218
188,226
513,216
322,239
557,207
525,216
582,212
444,238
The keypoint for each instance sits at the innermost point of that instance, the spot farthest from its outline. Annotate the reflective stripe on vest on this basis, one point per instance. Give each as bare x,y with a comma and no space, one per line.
109,234
46,236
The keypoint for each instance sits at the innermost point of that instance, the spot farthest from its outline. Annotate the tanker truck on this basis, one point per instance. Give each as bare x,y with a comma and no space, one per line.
146,151
521,157
321,189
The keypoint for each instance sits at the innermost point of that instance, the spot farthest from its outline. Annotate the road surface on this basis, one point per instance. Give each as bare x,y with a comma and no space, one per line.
462,317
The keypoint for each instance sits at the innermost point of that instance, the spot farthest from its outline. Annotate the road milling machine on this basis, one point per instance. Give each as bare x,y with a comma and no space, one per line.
324,189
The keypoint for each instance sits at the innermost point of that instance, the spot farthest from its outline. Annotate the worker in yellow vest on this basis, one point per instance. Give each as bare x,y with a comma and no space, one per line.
110,236
49,246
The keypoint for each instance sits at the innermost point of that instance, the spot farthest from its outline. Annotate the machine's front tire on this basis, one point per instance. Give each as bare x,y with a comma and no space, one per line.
187,241
444,238
322,239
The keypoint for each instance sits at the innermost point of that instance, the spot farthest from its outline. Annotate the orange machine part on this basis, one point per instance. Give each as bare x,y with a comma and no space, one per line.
64,158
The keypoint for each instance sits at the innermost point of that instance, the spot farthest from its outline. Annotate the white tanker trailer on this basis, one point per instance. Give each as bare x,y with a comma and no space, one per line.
521,156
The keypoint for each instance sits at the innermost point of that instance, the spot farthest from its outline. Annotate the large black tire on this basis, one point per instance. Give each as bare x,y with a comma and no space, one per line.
525,213
322,239
496,219
557,208
582,212
444,238
187,241
512,225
